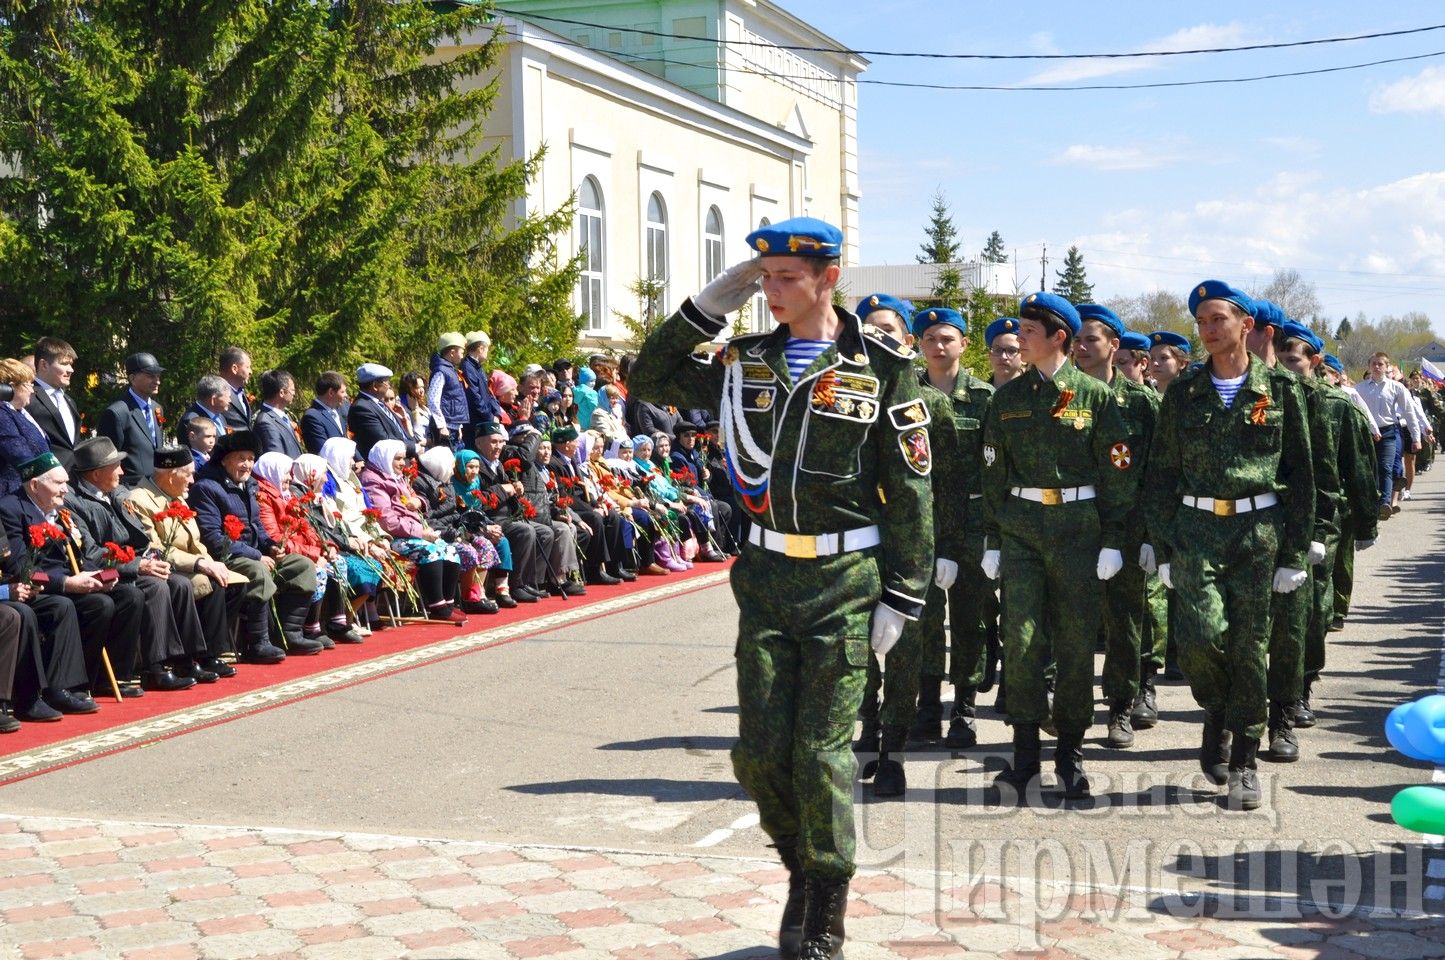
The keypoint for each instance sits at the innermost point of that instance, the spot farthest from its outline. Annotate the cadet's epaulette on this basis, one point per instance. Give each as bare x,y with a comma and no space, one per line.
888,343
747,338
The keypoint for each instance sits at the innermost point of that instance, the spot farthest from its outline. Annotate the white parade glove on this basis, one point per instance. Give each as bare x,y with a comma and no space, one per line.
990,564
1164,577
944,573
730,289
1146,558
887,628
1110,563
1364,544
1316,556
1288,579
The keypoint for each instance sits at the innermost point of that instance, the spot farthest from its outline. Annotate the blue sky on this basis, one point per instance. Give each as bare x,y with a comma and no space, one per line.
1340,176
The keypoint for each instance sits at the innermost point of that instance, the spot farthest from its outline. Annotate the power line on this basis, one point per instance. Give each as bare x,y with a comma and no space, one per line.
990,56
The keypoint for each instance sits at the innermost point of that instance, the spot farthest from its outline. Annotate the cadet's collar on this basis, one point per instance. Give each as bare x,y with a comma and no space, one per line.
1257,377
851,345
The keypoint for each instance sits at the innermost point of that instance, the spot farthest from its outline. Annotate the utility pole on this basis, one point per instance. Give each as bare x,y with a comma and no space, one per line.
1044,269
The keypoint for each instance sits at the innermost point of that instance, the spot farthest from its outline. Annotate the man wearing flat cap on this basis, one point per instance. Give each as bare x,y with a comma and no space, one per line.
135,423
369,419
482,407
446,398
822,422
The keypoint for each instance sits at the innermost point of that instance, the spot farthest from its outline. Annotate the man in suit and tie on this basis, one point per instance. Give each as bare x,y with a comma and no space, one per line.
326,417
136,423
369,419
213,399
273,426
51,407
235,369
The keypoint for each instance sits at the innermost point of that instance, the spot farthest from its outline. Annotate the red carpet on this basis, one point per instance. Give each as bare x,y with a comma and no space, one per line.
384,643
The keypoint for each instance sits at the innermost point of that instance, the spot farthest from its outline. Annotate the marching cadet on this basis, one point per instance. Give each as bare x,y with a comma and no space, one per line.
1057,470
1346,477
1342,577
1002,340
822,424
1168,357
1132,358
1100,337
1229,501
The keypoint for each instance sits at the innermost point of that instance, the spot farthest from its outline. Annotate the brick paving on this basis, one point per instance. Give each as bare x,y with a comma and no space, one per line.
144,892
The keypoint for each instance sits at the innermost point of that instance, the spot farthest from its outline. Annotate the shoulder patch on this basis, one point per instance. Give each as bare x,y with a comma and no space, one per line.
888,343
916,453
910,413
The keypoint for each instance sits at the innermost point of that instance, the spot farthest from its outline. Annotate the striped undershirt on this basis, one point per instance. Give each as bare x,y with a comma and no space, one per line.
801,353
1228,388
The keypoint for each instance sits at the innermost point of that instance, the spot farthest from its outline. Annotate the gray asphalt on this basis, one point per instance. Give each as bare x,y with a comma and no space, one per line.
615,732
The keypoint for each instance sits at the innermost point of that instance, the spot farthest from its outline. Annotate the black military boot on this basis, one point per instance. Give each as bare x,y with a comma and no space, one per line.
790,931
292,608
928,724
888,779
1283,747
1145,713
962,734
1214,749
1121,731
867,741
990,658
1304,717
1069,766
1243,774
1025,766
826,906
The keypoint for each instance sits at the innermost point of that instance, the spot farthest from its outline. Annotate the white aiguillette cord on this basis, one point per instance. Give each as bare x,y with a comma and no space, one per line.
735,426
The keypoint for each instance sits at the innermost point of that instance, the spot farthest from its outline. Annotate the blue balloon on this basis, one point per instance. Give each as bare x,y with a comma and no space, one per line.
1395,731
1425,727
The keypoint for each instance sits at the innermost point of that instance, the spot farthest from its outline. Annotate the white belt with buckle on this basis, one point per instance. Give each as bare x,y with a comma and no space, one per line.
1228,508
805,546
1053,496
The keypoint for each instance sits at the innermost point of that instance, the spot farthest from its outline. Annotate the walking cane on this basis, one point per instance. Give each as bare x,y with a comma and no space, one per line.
104,656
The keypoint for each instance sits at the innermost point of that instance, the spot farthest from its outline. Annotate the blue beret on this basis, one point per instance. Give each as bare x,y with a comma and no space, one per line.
1044,306
883,301
1219,290
1001,325
933,316
1333,362
1168,338
1101,313
1267,313
1133,341
1298,331
798,237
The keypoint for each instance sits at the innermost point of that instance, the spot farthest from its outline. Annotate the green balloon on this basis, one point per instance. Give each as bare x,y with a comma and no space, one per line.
1421,809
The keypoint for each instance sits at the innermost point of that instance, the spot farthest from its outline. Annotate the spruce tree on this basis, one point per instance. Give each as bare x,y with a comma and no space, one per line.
1072,282
942,243
993,251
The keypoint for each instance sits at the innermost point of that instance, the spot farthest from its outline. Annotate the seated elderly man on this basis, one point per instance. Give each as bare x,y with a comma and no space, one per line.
172,639
229,520
108,612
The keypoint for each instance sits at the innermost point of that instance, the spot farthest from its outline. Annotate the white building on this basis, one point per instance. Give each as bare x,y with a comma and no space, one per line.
677,146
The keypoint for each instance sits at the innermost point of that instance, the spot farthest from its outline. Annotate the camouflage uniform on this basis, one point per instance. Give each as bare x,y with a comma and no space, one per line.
1046,435
1223,564
850,434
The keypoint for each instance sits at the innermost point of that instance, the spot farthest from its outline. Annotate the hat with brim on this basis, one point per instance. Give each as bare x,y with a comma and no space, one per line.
143,363
96,453
37,466
234,443
448,340
372,372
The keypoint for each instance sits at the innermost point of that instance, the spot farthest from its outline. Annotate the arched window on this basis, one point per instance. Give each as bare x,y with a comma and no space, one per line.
657,273
762,319
592,244
712,244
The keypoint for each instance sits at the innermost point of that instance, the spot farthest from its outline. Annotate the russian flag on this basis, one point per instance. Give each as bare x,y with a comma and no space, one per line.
1431,372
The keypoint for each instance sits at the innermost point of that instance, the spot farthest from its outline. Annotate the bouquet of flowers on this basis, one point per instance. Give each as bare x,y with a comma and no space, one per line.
232,527
524,510
40,536
178,512
512,467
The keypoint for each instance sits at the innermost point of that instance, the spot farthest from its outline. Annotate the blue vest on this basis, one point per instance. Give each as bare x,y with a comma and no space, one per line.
454,397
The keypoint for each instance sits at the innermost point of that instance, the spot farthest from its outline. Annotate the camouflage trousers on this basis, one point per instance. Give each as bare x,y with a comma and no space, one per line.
1125,608
1343,579
1322,610
1157,634
1053,607
1289,620
802,656
1223,574
899,684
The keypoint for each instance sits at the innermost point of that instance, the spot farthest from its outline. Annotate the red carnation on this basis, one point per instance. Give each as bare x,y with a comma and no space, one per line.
528,511
117,554
564,502
512,466
373,514
233,527
43,533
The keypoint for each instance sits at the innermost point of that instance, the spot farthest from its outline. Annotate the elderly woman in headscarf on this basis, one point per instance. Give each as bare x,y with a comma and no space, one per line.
478,508
311,476
366,547
445,513
504,388
695,507
667,503
285,520
630,494
400,514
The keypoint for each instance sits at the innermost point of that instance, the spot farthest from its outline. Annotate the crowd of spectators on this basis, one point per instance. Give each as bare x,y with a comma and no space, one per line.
151,554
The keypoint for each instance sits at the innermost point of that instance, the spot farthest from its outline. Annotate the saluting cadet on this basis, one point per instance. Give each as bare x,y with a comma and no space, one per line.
1099,340
1229,500
1058,469
822,424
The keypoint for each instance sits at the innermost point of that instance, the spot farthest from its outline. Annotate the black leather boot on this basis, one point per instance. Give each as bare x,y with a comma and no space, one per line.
826,904
1121,730
1243,774
1025,766
1283,747
928,724
292,608
1145,713
1069,766
1304,717
962,733
888,779
790,931
1214,749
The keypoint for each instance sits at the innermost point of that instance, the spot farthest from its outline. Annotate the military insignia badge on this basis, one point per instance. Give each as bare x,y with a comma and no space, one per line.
1120,456
763,400
989,455
866,410
761,244
911,413
914,444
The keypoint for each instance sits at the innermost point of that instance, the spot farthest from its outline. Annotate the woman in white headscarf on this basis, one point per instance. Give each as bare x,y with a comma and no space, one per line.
399,513
287,521
349,573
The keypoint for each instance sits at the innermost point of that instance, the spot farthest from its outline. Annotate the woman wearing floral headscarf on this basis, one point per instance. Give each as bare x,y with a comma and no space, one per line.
367,545
284,520
347,571
667,505
467,486
445,514
695,508
399,511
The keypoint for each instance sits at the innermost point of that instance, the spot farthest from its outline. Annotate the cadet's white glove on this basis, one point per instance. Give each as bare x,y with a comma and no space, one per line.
944,573
1164,577
1146,558
1288,579
730,289
1110,563
990,564
887,628
1364,544
1316,556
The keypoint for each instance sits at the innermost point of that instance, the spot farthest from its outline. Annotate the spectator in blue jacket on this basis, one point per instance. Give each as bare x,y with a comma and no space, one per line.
482,406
